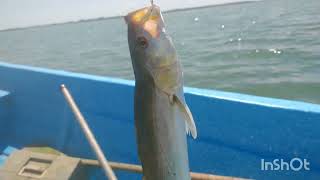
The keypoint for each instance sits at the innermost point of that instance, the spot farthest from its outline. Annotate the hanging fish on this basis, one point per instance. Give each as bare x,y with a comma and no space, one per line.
162,117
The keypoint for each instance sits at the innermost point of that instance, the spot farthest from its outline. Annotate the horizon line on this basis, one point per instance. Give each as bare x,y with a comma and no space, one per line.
120,16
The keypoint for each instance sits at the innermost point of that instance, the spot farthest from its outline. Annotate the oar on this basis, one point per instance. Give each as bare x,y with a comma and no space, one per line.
138,169
89,135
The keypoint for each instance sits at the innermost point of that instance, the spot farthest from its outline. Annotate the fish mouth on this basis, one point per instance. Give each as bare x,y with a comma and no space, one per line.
148,18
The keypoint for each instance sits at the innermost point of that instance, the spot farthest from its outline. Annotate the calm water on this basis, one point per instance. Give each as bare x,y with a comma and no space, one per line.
269,48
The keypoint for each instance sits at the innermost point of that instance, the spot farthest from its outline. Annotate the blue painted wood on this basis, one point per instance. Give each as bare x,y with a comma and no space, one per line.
235,131
6,153
4,113
9,150
3,94
2,159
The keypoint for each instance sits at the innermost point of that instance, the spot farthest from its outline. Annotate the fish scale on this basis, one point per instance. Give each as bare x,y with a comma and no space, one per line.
160,111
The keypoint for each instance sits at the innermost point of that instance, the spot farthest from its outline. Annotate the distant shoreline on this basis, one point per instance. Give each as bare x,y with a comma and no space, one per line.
209,6
115,17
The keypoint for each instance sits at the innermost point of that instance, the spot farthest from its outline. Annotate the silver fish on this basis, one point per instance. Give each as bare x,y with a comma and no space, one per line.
162,117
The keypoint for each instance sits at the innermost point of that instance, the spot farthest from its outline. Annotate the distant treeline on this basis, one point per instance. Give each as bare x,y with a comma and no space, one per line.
114,17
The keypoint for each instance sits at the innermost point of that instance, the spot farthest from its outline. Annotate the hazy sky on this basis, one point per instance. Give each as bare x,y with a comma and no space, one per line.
22,13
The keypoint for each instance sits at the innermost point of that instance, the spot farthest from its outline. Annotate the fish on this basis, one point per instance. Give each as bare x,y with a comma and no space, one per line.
161,114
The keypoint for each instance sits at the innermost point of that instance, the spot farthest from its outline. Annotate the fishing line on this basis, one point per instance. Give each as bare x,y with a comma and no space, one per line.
146,17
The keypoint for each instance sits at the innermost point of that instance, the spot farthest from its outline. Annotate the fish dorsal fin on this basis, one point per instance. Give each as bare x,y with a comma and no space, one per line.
187,116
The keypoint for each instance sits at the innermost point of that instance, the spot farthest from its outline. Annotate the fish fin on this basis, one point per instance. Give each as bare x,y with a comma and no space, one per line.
187,129
184,109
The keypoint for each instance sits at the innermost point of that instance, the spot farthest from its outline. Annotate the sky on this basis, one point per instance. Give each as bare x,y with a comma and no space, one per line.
25,13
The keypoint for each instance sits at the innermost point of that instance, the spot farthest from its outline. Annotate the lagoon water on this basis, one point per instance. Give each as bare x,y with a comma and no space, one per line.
267,48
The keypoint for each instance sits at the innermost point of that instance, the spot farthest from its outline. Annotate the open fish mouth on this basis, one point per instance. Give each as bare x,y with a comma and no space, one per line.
148,18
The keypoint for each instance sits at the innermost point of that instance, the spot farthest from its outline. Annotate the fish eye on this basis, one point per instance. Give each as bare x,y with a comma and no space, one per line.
142,41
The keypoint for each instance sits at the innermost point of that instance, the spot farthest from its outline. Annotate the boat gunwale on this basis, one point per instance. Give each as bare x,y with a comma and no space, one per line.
209,93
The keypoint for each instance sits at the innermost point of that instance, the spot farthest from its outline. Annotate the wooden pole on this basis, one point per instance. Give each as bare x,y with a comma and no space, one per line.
138,169
89,135
107,166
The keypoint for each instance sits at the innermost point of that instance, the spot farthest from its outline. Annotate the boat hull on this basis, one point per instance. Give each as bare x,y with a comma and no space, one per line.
235,131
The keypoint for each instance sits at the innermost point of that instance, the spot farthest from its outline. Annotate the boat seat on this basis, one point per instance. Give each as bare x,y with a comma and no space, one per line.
40,163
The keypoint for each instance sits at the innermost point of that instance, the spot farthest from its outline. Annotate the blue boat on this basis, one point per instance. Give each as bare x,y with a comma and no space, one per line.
237,133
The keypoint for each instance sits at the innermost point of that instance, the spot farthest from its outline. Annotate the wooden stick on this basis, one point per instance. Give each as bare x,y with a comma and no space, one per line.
89,135
138,169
